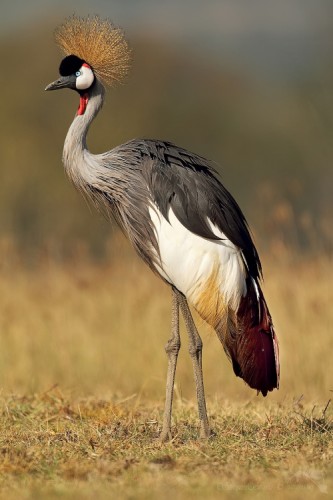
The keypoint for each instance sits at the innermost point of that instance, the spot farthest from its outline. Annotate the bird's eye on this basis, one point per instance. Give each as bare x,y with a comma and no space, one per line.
78,73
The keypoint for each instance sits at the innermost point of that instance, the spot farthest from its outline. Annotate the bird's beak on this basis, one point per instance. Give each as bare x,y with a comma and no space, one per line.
62,83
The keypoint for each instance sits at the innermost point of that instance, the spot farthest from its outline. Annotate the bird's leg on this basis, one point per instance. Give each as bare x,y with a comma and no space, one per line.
172,348
195,349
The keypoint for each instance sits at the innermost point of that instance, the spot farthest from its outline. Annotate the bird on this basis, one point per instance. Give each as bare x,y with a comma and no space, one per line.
177,214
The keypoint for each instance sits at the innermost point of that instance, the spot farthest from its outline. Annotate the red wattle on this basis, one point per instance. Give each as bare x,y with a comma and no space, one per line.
83,104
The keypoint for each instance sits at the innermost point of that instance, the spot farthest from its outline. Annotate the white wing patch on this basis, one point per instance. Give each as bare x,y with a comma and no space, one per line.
188,261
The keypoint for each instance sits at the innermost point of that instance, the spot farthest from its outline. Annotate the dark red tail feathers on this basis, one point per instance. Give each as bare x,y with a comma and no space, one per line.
254,352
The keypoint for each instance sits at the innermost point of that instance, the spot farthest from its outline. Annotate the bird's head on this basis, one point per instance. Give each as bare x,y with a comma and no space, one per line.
94,49
75,74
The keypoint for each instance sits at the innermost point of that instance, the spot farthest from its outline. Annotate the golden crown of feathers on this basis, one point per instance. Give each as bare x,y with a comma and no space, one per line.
98,42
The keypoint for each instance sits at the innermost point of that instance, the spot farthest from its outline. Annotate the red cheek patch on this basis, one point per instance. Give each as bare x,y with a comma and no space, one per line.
83,104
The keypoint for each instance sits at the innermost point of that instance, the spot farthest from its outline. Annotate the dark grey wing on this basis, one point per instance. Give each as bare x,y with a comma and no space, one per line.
189,185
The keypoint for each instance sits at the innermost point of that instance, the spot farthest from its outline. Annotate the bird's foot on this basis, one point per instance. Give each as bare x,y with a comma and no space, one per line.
205,432
165,435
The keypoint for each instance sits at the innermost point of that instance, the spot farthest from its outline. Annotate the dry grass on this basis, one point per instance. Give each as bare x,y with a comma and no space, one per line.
95,333
54,445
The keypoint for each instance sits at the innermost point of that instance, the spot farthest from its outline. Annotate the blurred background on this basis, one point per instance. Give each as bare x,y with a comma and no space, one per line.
246,84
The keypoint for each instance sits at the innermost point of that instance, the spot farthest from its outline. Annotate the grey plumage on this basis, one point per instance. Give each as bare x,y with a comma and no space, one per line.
114,185
122,182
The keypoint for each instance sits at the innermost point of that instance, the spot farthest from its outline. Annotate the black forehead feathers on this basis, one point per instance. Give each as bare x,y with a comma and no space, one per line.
70,65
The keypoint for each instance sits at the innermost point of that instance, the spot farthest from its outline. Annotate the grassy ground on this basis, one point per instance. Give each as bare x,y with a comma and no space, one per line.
83,370
52,445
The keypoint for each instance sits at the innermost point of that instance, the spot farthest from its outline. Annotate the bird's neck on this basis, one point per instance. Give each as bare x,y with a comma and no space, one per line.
76,155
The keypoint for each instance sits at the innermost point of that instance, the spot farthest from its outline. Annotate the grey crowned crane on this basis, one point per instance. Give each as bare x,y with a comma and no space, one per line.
177,214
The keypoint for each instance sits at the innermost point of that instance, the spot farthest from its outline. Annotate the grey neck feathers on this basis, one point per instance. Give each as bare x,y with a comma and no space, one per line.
77,158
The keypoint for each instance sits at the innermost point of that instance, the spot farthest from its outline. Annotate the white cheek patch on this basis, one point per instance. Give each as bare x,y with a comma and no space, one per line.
85,80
